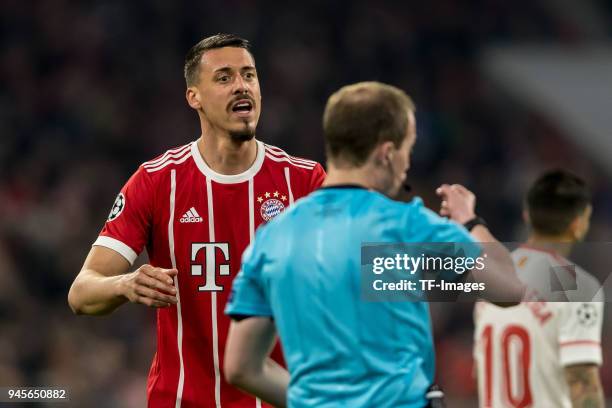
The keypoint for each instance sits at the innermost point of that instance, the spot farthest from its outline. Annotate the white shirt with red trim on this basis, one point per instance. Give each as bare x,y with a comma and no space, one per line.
196,220
520,352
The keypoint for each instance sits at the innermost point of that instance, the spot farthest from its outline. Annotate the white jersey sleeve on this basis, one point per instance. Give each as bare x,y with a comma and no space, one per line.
580,333
521,351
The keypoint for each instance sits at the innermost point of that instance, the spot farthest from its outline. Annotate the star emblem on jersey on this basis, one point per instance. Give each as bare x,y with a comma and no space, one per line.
272,204
587,314
118,207
191,216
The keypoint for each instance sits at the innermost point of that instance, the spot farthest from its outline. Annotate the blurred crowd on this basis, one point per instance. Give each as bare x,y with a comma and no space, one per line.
92,89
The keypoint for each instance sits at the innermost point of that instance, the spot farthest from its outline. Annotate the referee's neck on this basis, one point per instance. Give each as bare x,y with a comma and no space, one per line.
354,176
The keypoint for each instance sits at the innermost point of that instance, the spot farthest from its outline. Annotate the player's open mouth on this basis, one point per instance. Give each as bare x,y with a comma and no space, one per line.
242,107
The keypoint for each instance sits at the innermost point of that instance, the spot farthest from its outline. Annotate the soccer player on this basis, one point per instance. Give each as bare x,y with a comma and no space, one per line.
301,275
545,354
195,208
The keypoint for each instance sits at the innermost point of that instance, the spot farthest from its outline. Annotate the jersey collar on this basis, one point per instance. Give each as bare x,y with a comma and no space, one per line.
225,178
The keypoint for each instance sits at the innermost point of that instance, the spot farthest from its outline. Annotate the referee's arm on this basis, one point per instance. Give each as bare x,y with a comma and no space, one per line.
499,276
247,364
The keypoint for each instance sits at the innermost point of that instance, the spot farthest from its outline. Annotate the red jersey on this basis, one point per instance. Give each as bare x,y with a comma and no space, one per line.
198,221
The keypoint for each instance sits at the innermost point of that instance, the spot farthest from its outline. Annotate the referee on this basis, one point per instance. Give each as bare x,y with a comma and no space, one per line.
301,275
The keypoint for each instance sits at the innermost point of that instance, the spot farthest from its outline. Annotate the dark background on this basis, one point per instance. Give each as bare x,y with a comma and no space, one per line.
90,90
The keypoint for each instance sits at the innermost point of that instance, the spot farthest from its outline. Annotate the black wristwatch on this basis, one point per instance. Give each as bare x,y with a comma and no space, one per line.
474,222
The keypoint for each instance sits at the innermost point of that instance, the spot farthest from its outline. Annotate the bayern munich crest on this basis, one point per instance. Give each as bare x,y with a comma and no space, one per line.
271,205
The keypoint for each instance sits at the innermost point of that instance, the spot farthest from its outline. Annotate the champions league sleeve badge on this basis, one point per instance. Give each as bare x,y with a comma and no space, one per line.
587,314
118,207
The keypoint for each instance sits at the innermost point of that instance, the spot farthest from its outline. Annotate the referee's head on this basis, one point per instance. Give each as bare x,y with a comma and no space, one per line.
369,132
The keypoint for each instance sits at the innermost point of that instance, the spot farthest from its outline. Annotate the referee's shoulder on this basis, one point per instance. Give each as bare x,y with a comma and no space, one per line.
414,204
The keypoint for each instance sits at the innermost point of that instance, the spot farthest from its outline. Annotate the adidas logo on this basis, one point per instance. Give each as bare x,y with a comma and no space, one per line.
191,216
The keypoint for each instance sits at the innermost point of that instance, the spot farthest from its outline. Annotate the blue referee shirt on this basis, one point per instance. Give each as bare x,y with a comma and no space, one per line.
303,270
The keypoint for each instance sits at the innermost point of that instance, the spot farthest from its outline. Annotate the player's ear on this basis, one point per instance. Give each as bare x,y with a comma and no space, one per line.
575,228
193,97
526,218
580,225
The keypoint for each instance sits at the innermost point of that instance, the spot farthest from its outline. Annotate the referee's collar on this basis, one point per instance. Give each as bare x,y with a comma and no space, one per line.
344,186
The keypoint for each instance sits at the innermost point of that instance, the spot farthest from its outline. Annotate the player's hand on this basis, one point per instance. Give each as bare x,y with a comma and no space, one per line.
150,286
458,203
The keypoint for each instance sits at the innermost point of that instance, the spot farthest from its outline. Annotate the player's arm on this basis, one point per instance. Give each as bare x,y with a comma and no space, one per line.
585,386
247,362
103,284
580,325
499,276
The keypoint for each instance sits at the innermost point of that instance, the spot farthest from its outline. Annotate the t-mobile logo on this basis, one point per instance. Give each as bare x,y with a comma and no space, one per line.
211,264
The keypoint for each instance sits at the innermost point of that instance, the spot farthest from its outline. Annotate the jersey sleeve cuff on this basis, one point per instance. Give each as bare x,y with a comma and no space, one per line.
117,246
580,352
247,310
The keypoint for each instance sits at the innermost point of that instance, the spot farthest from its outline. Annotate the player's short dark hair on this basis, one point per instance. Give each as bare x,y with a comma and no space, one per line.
555,199
194,55
359,117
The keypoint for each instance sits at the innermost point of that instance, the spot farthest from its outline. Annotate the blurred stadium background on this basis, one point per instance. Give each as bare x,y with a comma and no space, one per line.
91,89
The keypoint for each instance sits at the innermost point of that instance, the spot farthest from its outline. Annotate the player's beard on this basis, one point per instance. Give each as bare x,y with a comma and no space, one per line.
243,135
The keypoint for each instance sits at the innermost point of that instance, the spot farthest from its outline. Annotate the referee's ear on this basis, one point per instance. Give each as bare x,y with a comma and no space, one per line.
383,153
193,97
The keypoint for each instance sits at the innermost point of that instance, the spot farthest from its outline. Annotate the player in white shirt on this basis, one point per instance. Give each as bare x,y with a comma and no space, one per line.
545,354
